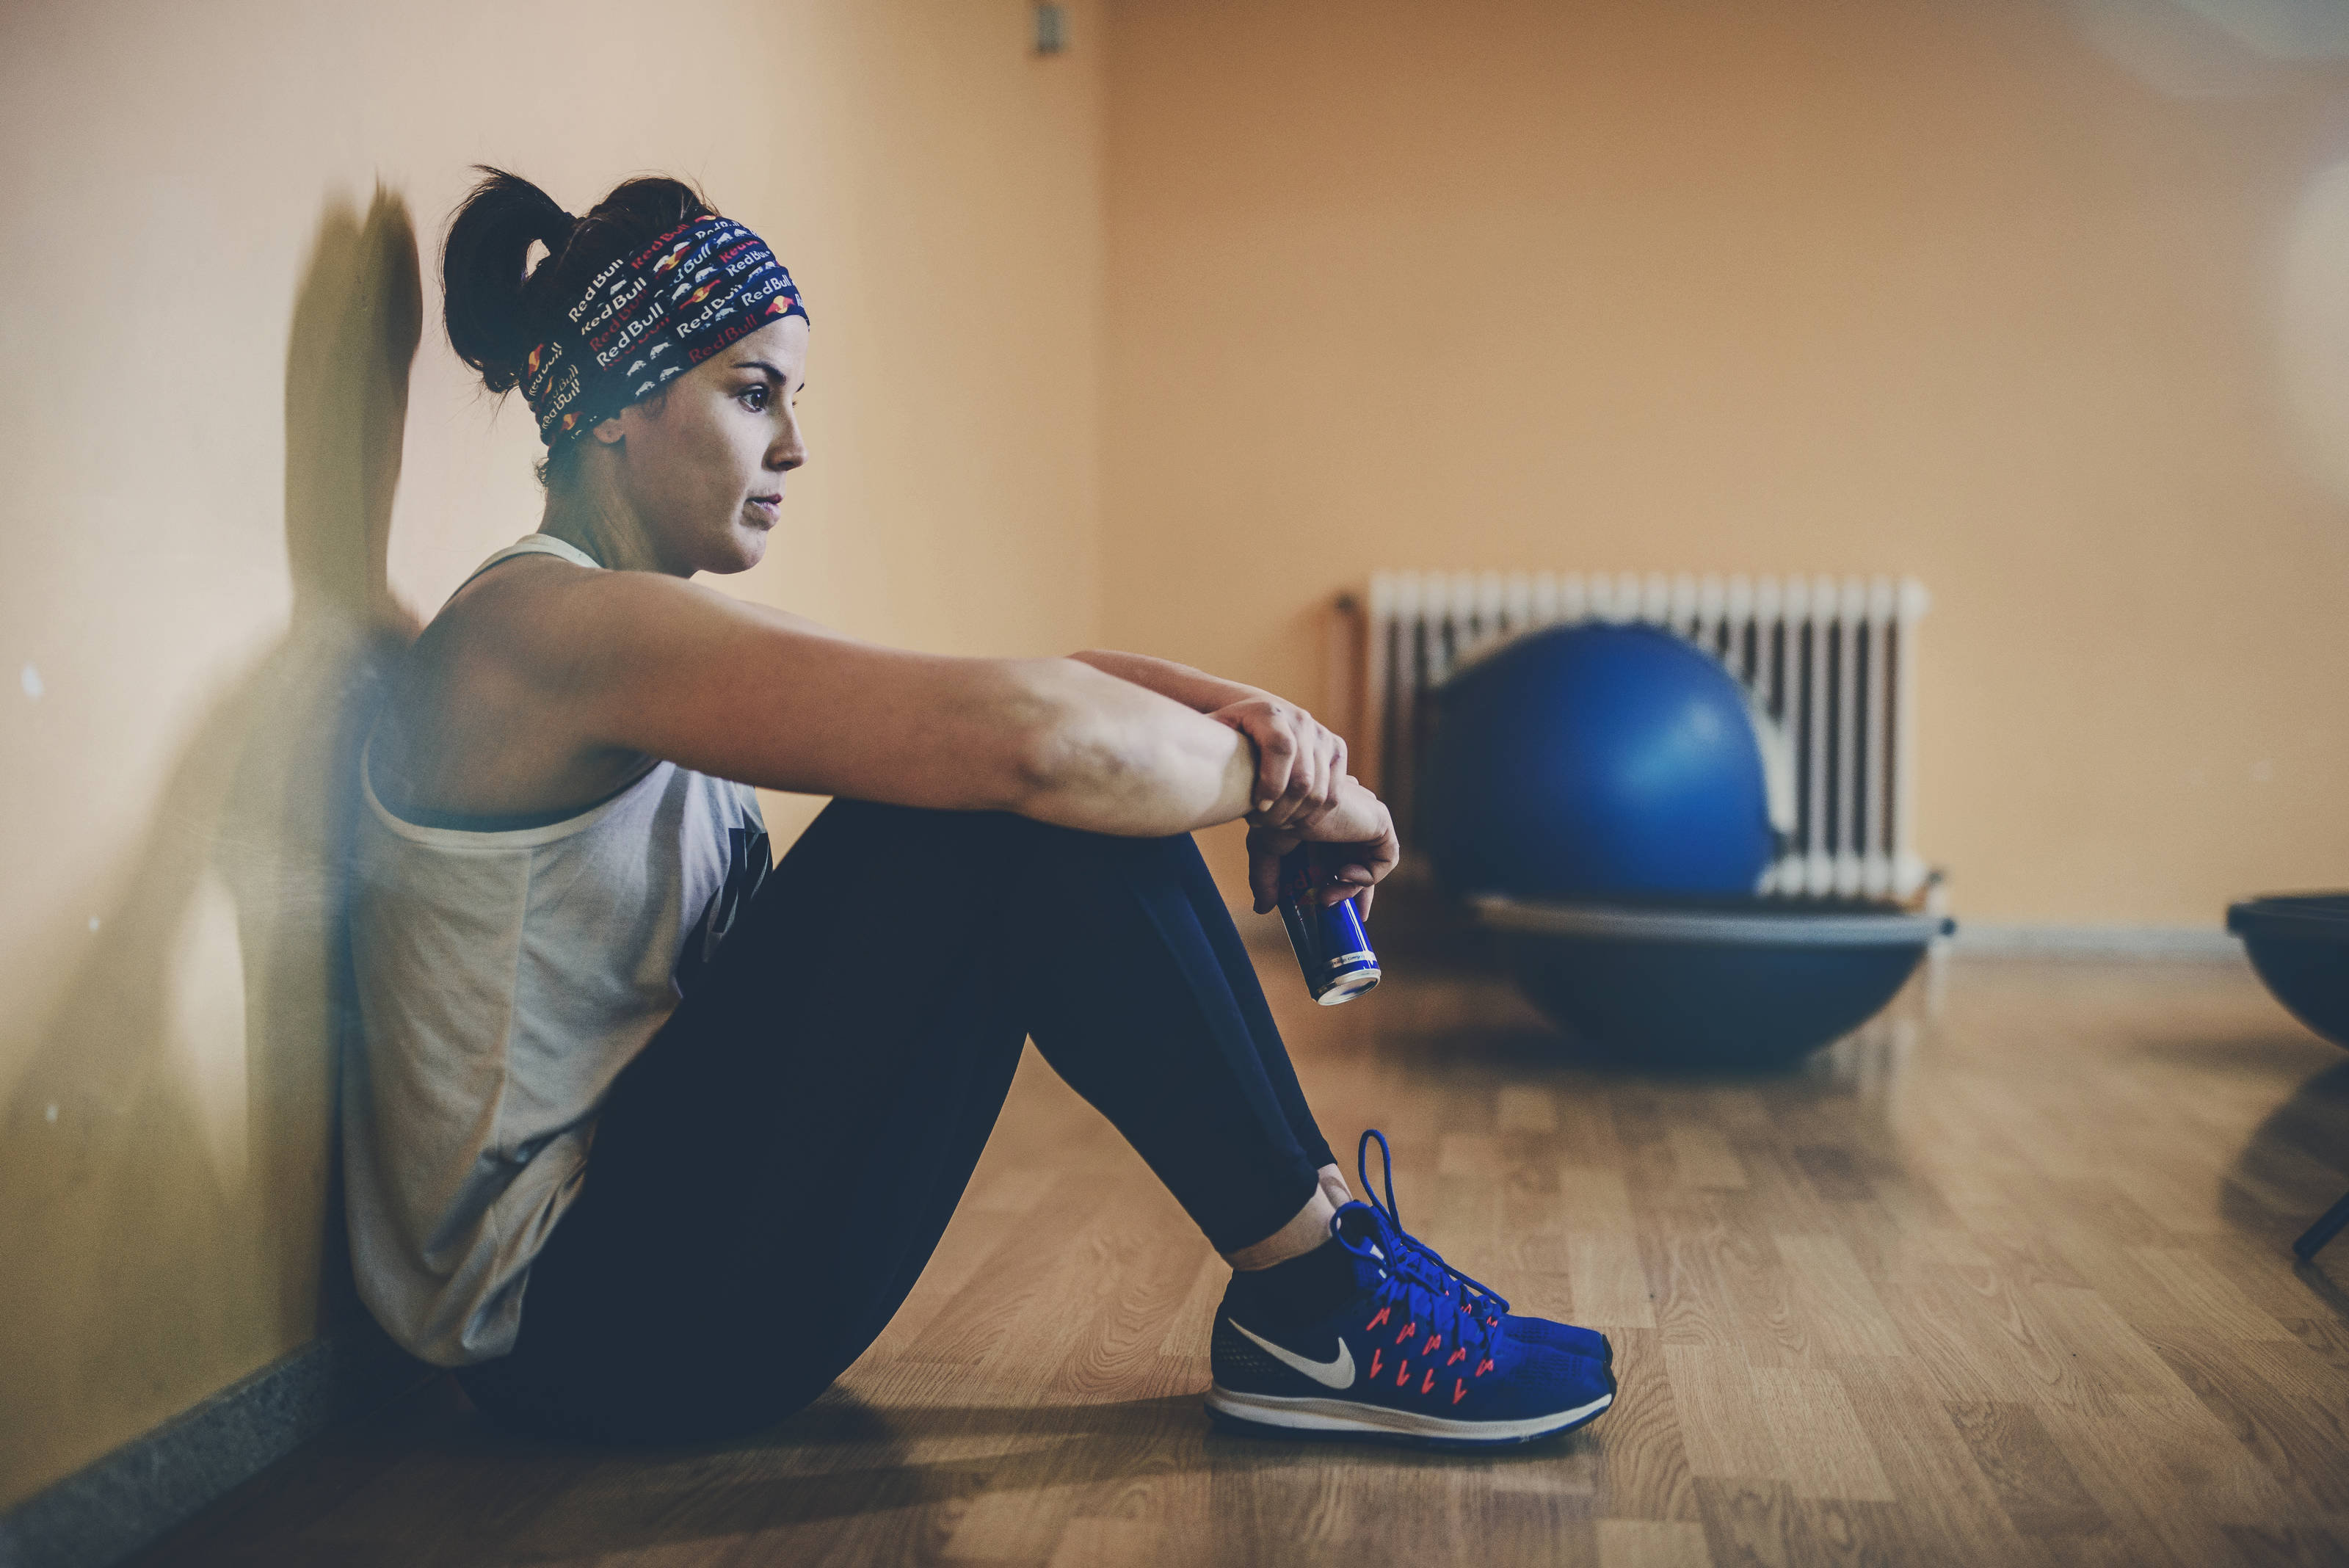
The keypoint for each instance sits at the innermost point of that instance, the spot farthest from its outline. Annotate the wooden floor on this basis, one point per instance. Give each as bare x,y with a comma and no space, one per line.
2005,1279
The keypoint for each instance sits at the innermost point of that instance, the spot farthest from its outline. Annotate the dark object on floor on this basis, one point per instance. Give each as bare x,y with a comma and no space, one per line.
2299,943
1744,985
2336,1219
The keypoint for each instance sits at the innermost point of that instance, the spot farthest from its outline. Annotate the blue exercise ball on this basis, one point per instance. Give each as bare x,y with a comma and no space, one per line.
1597,760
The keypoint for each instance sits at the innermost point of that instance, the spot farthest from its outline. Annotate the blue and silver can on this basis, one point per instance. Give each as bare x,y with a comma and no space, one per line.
1332,950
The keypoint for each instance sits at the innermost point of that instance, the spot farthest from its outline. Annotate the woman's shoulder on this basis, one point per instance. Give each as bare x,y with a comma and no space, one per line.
479,719
520,609
514,577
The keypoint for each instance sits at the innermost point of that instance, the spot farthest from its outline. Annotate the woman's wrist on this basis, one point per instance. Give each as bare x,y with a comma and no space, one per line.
1194,689
1236,802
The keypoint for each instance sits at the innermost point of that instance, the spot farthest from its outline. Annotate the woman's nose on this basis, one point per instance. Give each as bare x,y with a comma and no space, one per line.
789,450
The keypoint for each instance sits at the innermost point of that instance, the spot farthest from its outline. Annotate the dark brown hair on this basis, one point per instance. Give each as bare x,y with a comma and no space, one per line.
497,305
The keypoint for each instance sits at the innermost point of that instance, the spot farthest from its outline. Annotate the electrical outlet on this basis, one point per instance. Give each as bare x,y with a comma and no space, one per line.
1051,30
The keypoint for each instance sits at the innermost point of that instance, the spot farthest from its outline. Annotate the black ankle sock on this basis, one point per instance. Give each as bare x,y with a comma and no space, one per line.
1309,1286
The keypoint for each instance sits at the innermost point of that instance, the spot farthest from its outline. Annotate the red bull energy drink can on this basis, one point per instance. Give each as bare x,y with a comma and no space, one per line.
1332,950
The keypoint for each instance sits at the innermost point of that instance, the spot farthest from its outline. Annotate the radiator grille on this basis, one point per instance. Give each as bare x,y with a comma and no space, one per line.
1831,661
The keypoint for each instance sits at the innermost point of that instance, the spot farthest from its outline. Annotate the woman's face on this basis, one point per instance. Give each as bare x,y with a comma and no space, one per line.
703,466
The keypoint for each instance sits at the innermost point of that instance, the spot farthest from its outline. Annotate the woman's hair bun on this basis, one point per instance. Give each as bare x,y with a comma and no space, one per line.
496,306
483,272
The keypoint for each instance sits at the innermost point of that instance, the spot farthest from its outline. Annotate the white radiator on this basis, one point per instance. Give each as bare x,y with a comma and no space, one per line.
1830,661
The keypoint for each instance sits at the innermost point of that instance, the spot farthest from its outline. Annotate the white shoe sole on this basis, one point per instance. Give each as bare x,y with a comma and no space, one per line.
1352,1417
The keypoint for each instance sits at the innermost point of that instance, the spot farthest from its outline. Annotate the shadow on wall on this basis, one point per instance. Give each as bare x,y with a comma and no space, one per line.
172,1221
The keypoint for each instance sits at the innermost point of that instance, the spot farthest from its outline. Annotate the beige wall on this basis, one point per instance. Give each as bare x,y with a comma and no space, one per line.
1798,287
226,491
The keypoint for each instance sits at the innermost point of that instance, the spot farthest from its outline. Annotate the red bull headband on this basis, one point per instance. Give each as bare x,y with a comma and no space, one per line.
649,317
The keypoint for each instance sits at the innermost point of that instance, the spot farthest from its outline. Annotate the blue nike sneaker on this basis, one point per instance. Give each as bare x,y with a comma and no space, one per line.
1397,1362
1415,1257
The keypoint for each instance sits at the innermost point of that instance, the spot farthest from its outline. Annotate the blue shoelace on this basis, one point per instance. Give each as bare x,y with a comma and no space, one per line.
1427,1337
1411,1254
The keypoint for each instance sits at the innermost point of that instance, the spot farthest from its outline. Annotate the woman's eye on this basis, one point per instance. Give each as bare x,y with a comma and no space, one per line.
753,398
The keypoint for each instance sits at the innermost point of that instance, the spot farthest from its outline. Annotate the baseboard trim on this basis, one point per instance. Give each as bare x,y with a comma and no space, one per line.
109,1510
2163,944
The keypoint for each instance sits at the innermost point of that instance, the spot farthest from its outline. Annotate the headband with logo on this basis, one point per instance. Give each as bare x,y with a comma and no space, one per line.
650,318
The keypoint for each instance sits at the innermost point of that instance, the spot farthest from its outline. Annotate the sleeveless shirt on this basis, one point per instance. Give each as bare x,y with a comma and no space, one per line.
504,977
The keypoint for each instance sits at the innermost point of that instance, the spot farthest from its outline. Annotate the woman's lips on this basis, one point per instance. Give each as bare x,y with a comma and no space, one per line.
766,508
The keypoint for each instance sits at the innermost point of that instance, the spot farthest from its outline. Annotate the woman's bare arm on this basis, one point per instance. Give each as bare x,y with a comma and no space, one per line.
1300,762
642,663
1194,689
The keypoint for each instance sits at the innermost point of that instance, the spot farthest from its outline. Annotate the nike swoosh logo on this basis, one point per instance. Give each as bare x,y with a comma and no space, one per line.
1337,1374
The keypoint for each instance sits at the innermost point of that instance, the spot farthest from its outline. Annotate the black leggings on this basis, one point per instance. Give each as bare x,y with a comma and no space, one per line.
772,1171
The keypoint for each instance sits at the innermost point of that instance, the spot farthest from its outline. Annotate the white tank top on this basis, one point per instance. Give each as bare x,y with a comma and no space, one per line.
504,977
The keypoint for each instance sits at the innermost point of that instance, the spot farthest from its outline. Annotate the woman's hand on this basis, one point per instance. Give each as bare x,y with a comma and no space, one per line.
1300,762
1361,849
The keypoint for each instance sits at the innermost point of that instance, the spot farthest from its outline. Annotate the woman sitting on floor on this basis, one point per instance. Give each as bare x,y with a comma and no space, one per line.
648,1139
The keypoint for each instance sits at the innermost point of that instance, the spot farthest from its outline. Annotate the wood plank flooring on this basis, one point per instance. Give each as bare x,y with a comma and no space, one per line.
2002,1279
